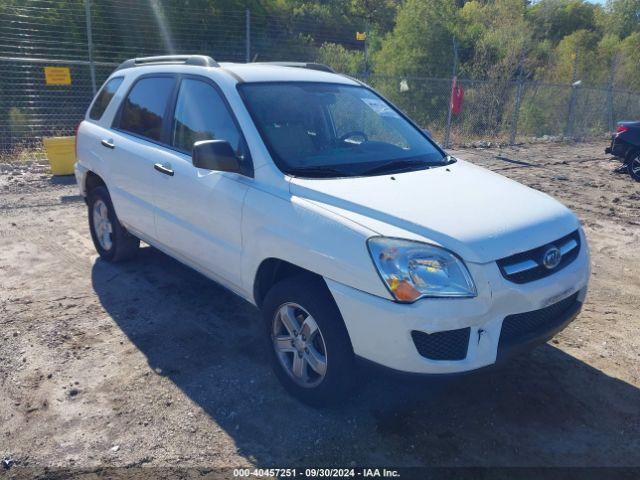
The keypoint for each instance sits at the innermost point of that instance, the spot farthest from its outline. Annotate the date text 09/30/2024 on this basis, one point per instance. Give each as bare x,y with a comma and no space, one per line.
316,473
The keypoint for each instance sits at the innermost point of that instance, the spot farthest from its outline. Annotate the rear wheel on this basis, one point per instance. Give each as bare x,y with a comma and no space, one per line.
310,348
634,166
111,239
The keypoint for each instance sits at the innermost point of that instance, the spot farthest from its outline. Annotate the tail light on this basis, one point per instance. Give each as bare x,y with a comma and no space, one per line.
622,129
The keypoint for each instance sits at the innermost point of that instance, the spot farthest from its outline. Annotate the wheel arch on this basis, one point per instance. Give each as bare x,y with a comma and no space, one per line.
271,271
91,181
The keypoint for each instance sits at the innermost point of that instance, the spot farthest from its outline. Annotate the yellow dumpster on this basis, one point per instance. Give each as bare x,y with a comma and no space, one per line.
61,152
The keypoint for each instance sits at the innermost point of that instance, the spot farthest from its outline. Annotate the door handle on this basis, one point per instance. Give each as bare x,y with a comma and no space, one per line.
108,143
166,169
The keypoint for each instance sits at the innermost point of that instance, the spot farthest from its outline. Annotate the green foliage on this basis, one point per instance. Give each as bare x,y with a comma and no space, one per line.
555,19
377,13
539,112
502,39
409,52
495,35
420,43
628,63
575,51
497,39
624,17
18,122
341,59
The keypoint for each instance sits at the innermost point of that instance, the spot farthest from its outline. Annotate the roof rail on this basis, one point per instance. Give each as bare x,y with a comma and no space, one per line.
196,60
310,65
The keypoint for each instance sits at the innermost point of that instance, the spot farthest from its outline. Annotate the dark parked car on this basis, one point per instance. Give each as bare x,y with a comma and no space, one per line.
625,144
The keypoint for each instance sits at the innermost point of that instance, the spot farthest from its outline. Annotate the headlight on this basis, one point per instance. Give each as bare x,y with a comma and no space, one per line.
412,270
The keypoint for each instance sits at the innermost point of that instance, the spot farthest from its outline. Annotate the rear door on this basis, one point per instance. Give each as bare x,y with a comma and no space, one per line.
138,142
199,211
90,149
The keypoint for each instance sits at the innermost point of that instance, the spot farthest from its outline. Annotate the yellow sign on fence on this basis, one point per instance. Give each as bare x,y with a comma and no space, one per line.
57,75
361,36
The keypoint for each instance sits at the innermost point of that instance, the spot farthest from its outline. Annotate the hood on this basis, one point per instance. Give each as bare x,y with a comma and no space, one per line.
478,214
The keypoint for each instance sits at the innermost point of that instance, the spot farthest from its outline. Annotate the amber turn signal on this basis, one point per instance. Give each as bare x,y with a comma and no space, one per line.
403,290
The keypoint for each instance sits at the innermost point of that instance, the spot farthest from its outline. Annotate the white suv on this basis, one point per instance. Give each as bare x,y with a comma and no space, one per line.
311,196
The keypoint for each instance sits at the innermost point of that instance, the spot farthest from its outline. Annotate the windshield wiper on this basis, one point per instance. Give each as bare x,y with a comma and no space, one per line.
317,172
394,166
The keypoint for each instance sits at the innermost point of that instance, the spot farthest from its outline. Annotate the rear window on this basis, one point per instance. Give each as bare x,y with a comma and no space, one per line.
104,98
143,111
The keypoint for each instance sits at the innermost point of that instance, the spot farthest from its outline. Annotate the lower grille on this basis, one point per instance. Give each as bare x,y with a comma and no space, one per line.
447,345
522,327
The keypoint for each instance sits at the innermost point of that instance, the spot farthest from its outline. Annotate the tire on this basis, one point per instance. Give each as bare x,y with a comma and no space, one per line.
303,296
111,239
633,166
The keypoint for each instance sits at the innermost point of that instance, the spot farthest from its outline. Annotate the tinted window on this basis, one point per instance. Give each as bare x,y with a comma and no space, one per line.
201,114
324,130
104,97
145,106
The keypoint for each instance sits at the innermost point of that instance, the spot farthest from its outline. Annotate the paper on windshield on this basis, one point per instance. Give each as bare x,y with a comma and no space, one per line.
380,107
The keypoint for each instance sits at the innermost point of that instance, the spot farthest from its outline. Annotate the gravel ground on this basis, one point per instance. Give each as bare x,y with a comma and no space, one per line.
149,364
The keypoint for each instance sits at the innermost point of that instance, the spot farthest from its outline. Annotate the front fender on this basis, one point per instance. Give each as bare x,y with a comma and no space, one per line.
293,229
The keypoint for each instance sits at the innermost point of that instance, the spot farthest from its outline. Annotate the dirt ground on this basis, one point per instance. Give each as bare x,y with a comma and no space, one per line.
148,363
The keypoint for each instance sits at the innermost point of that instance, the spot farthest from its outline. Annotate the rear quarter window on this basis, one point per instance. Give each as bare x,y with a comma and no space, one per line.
104,98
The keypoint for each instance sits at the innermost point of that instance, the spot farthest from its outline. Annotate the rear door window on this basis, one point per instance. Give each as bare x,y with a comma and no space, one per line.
143,111
104,98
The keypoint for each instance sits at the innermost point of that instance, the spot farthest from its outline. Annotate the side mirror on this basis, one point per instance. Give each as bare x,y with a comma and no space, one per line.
215,155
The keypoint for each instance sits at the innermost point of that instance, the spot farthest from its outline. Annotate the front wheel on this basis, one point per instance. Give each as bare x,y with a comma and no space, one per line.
310,347
111,239
634,166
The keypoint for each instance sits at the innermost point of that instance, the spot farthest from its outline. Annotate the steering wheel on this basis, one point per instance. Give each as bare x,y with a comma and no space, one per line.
355,133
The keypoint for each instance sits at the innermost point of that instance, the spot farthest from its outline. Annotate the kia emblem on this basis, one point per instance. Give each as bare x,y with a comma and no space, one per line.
552,257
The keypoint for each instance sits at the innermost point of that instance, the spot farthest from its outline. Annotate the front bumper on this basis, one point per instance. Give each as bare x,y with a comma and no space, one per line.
381,330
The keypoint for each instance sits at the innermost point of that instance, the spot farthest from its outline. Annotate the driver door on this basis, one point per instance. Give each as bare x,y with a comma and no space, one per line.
198,213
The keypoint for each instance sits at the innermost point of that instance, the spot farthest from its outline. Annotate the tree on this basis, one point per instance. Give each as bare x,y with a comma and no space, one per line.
628,63
495,34
555,19
624,17
420,43
378,14
576,50
340,58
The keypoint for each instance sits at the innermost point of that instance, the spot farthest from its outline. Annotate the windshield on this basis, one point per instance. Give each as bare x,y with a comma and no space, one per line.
333,130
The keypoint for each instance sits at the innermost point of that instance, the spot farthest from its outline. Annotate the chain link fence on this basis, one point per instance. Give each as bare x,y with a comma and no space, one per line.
509,112
92,37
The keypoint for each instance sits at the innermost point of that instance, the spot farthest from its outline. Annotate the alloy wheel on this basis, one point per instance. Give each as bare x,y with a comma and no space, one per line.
102,225
299,345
